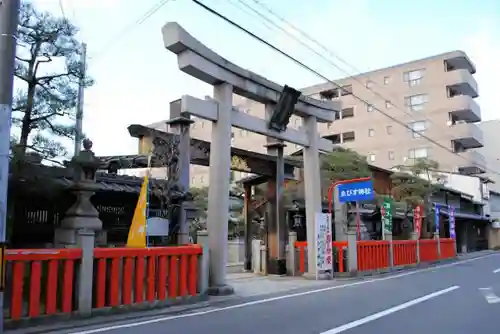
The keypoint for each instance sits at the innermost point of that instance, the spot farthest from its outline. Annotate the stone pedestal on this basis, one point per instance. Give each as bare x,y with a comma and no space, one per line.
436,237
388,237
415,236
352,251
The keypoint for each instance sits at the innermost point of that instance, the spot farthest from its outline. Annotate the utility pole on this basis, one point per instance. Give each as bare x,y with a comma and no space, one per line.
9,16
79,107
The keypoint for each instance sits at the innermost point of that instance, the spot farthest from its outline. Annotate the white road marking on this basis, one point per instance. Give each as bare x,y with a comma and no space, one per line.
389,311
496,271
490,296
268,300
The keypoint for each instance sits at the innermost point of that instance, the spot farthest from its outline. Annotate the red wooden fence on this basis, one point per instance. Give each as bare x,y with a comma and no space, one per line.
134,275
428,250
373,255
42,281
405,252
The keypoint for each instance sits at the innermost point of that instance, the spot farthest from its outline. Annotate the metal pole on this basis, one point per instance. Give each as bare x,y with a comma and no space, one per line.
9,16
79,110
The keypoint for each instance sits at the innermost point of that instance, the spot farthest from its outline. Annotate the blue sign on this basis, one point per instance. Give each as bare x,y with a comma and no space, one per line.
356,191
451,212
436,218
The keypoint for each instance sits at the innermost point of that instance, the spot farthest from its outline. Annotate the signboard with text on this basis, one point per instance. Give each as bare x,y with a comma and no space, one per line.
356,191
324,253
452,222
417,219
436,217
386,213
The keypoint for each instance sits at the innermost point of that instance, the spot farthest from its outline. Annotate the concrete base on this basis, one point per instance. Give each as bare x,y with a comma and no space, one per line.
276,267
222,290
321,277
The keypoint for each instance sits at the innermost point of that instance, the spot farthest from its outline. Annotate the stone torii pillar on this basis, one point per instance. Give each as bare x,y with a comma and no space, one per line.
197,60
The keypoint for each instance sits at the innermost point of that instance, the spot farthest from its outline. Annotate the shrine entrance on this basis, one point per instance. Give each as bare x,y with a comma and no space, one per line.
280,102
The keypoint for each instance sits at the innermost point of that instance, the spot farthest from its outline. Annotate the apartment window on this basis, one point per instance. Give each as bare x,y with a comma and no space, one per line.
296,122
388,128
193,180
202,179
413,78
243,133
348,137
371,132
347,113
388,104
387,80
416,102
418,153
369,108
390,155
369,84
297,147
371,157
418,128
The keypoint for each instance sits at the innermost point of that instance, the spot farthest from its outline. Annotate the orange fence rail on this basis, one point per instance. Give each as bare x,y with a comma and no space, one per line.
41,281
373,255
126,275
428,250
338,246
404,252
448,249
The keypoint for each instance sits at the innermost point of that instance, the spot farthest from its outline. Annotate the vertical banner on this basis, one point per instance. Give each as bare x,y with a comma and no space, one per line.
452,222
324,256
417,220
436,217
386,213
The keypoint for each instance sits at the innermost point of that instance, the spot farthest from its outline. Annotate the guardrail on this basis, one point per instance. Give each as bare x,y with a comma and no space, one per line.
47,281
376,255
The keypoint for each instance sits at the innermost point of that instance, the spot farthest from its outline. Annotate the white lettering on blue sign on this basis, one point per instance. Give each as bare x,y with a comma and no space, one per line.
342,193
361,191
368,191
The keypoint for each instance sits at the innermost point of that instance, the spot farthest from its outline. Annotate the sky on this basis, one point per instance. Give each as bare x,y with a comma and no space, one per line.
136,77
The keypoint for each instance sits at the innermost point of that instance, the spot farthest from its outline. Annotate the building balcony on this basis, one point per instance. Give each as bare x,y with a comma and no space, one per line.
466,136
459,60
464,108
461,82
473,163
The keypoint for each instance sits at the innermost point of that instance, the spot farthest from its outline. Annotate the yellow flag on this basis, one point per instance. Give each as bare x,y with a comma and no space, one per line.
137,233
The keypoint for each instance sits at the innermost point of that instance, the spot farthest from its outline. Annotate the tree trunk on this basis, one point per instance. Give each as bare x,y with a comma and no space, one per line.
26,125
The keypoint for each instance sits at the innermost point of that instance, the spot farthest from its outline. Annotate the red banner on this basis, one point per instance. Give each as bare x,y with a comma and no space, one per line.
417,219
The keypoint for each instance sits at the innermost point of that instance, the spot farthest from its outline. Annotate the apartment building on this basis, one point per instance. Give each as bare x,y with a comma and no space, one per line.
433,96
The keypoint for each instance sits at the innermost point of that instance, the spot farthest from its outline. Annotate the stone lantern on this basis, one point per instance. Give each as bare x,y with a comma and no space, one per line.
82,218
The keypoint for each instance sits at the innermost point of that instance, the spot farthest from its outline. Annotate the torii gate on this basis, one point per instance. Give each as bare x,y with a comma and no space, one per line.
199,61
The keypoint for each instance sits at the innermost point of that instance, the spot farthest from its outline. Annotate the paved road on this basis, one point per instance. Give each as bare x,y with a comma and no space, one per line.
456,298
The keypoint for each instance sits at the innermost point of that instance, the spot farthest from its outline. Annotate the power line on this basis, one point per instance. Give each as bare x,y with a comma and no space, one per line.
332,54
263,41
128,28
